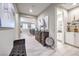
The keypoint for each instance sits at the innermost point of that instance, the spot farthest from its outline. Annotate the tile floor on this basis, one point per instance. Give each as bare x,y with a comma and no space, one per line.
34,48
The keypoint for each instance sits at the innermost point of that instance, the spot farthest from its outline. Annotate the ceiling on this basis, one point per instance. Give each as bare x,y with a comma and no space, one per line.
37,8
69,6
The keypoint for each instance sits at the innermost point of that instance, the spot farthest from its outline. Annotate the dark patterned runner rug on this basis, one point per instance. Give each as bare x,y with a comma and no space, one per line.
18,48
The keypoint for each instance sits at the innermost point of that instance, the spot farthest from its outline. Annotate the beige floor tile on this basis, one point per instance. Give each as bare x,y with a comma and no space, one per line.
34,48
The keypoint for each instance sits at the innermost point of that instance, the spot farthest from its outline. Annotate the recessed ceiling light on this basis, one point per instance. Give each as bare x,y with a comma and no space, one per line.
74,3
30,10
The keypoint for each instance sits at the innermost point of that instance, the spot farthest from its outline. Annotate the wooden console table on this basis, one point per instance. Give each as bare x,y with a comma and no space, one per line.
40,36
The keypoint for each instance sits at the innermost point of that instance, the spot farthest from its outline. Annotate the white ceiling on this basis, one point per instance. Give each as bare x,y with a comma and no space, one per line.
39,7
36,7
69,6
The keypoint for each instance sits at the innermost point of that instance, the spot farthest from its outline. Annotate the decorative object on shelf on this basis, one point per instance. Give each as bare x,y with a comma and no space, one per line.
68,27
75,29
74,22
74,18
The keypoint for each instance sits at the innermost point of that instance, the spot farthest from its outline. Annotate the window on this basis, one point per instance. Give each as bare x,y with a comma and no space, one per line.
32,26
24,26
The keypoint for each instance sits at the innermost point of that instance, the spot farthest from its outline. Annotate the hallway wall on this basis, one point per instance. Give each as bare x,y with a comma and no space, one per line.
51,13
27,18
7,37
17,23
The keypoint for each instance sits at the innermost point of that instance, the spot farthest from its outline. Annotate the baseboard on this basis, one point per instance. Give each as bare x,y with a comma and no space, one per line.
71,45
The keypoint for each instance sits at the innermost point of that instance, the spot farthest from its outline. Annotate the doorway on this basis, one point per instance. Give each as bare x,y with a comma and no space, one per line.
27,25
60,25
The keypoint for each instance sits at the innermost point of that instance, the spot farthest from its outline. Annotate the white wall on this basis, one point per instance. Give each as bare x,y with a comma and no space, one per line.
51,13
72,13
17,23
29,20
65,19
7,37
17,26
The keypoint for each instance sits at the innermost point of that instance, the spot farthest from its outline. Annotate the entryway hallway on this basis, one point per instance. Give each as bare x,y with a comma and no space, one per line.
34,48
